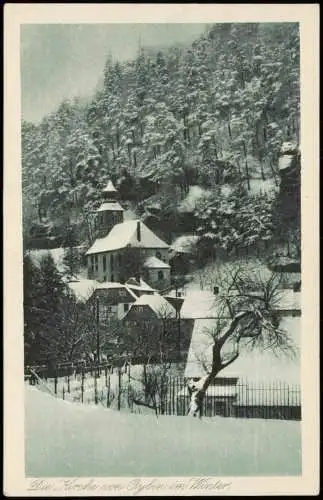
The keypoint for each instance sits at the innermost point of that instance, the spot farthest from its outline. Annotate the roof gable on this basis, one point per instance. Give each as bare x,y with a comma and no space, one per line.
158,304
113,295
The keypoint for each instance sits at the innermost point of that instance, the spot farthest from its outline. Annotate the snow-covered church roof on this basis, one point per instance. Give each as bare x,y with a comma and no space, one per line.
126,234
112,205
109,188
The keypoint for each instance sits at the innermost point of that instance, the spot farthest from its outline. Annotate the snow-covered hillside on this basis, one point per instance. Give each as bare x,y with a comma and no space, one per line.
66,439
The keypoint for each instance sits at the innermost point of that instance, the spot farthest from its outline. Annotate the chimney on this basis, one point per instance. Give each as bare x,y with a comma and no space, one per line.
138,231
215,290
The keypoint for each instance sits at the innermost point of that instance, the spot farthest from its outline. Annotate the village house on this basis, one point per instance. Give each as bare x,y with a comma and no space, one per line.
124,248
150,308
156,319
112,299
256,366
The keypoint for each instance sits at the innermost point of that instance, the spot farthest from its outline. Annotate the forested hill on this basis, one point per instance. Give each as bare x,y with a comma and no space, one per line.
213,113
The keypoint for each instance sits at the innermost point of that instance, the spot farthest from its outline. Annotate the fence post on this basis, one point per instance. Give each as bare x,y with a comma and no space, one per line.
173,409
119,388
55,384
63,392
82,384
108,393
289,408
95,387
68,384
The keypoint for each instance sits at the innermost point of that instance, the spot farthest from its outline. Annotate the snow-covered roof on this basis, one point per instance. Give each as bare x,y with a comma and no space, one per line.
110,205
255,365
109,188
141,285
158,304
204,304
125,234
184,244
83,289
153,262
116,286
201,304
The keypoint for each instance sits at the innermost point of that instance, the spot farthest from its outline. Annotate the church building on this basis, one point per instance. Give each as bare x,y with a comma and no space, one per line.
123,249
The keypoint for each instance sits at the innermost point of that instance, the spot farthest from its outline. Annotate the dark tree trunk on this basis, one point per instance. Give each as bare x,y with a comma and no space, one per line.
246,165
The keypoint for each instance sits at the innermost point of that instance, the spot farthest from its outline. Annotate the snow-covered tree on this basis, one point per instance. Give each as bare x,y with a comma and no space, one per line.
246,320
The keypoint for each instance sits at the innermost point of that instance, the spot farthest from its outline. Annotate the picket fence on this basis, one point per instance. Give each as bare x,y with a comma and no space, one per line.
227,397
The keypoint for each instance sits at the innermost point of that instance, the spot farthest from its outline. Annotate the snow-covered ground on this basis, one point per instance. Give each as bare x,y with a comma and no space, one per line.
63,439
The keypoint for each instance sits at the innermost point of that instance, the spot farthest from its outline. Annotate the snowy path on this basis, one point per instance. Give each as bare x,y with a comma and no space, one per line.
65,439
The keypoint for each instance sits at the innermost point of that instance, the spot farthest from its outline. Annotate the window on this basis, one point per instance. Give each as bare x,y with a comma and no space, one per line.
112,262
104,260
112,277
92,263
96,262
158,255
120,259
126,307
160,275
105,312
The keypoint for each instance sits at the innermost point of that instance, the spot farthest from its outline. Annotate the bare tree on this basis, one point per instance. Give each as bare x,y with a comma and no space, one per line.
246,318
75,328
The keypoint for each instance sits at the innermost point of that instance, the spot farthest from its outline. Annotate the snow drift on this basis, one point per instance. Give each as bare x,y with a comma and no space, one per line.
65,439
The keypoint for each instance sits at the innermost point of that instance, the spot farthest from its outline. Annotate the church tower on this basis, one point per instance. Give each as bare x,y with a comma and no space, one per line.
109,213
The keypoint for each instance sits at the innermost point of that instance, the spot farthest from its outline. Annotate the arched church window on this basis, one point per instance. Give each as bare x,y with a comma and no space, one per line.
158,255
160,275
